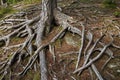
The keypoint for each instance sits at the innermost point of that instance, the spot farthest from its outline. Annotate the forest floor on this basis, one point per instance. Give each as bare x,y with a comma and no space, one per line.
97,19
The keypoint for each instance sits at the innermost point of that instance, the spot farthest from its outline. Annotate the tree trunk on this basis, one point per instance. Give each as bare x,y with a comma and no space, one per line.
1,2
49,6
44,27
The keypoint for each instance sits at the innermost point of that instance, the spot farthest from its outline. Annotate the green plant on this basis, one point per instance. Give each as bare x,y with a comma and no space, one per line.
109,3
31,1
13,1
36,76
4,11
116,14
85,1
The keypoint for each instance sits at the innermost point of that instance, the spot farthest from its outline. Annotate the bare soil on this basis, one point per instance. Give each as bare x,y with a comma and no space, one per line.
97,19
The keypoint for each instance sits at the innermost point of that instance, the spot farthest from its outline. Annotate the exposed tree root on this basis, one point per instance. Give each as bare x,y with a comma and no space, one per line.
37,52
87,53
82,45
35,55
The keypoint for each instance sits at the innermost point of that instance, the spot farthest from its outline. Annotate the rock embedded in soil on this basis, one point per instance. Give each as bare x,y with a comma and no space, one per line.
73,40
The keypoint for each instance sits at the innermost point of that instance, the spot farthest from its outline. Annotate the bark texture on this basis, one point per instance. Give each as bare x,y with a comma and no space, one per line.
44,27
34,50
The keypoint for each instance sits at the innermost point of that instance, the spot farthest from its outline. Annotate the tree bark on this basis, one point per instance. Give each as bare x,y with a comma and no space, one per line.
44,27
49,6
1,2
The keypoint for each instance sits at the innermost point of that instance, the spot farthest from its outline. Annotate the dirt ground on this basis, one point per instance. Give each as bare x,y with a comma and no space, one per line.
98,20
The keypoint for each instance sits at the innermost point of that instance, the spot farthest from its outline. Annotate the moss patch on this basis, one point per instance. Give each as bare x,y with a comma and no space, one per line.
72,39
36,76
117,13
109,4
4,11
